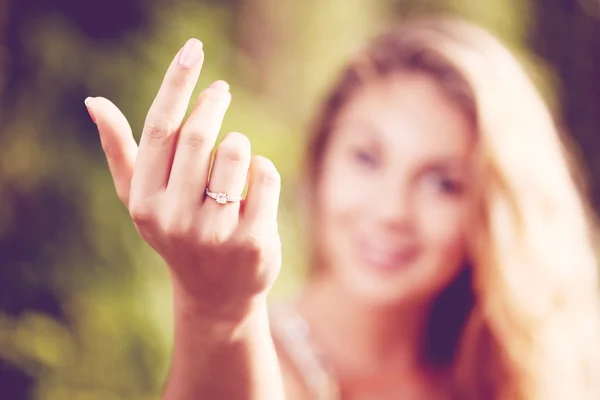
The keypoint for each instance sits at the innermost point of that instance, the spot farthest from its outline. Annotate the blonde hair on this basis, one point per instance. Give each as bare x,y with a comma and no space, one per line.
532,329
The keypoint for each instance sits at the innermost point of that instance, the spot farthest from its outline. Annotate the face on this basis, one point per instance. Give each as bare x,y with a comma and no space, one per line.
394,194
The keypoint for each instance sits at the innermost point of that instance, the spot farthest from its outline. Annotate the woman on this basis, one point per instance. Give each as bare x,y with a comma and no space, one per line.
452,250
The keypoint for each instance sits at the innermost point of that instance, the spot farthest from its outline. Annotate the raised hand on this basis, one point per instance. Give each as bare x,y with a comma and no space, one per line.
222,257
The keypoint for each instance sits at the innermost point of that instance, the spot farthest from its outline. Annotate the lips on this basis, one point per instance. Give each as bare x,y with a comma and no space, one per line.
385,257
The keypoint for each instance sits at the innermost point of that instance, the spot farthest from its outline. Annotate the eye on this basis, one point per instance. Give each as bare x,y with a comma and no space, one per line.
444,183
365,158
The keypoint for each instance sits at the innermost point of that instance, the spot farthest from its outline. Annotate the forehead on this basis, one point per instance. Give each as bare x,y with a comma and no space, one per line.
408,113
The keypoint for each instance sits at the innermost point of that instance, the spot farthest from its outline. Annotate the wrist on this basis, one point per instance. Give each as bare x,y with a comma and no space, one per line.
219,322
217,359
212,352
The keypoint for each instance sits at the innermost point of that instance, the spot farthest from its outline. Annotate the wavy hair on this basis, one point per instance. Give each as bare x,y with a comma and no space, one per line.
523,320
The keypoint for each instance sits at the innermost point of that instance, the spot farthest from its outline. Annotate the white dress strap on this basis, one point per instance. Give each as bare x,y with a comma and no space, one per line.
293,332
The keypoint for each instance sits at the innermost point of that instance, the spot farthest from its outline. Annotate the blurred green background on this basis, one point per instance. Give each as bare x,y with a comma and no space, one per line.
85,308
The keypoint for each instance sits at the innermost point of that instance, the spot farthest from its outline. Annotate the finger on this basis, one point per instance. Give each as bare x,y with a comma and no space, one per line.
166,114
117,142
197,139
228,175
259,216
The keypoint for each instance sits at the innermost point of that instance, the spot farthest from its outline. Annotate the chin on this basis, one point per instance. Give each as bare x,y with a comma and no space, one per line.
377,291
395,287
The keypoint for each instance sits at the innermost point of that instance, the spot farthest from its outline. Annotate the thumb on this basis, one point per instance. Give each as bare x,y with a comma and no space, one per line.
117,142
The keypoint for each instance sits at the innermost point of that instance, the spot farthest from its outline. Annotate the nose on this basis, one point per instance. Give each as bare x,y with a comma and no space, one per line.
393,206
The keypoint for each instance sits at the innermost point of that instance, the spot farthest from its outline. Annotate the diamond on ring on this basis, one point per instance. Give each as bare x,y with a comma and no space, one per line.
222,198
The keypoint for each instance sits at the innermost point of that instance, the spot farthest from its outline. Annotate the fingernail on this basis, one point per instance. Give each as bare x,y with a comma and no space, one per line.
87,102
222,85
191,53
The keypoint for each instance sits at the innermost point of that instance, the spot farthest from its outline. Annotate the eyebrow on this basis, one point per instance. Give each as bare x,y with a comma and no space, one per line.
446,164
360,128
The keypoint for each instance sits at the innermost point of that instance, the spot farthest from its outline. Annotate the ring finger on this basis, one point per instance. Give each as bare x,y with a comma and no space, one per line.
228,175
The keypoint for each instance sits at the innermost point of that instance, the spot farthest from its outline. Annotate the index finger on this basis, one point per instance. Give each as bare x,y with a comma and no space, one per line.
155,155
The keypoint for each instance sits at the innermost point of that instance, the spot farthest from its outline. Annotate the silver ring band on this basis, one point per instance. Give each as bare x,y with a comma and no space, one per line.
222,198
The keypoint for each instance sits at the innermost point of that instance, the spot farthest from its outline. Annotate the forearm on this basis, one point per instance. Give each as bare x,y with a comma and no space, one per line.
221,362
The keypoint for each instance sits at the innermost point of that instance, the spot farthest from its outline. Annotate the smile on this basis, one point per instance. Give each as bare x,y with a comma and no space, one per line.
385,258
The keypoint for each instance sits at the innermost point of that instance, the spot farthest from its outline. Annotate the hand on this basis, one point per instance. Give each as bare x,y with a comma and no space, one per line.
222,257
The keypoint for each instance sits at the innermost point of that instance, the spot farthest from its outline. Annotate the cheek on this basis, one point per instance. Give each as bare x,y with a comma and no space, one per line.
343,201
342,193
442,227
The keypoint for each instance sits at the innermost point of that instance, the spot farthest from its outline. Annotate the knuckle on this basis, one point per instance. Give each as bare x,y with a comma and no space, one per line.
235,148
178,81
194,138
109,153
271,179
252,247
267,174
210,238
176,231
141,214
233,155
158,128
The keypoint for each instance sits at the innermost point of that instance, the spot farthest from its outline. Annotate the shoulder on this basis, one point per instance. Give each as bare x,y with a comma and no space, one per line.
300,355
282,327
